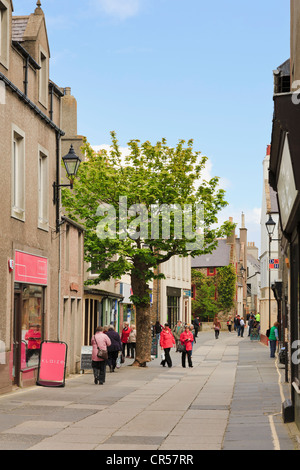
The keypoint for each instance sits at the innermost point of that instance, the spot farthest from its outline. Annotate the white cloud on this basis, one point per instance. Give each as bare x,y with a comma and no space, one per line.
121,9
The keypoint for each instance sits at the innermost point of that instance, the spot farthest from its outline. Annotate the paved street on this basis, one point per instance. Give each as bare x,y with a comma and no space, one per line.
231,399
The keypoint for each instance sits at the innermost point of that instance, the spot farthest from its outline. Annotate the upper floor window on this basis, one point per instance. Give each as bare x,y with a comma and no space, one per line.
4,32
43,190
18,174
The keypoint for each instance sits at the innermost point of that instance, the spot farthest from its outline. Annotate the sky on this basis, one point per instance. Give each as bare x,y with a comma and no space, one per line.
174,69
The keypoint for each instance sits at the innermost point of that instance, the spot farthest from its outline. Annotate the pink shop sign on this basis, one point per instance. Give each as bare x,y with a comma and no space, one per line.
31,269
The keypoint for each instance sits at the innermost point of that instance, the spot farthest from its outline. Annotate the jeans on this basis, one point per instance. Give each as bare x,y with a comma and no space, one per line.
167,359
99,369
189,356
272,348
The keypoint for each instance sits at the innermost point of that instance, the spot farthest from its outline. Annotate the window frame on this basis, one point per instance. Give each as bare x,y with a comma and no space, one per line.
18,174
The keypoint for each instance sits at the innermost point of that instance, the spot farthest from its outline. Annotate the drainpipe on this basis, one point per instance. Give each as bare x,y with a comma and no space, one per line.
58,137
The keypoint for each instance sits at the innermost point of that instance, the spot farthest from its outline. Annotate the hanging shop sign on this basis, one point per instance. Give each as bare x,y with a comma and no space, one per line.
274,263
52,364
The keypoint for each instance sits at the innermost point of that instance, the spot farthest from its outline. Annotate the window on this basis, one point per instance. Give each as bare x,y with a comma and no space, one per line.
18,174
4,32
43,188
211,271
43,79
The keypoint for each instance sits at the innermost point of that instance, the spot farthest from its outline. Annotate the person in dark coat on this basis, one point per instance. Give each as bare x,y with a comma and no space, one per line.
114,348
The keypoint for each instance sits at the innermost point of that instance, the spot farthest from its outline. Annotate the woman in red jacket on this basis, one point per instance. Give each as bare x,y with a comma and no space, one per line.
124,338
167,341
186,339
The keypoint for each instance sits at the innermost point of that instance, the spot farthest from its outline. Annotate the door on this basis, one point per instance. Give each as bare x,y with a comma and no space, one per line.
17,339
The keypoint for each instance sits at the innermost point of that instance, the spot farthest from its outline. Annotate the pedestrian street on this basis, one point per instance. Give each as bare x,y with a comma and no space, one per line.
230,400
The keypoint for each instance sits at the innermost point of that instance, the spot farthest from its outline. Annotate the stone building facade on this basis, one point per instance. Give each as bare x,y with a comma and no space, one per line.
41,294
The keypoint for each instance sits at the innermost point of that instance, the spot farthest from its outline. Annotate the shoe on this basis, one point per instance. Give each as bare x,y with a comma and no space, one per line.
95,381
101,383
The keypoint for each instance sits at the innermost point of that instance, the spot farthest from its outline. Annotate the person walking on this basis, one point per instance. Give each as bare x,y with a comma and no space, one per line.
114,348
273,338
167,341
229,323
196,326
99,341
186,339
132,341
157,330
242,327
250,324
177,330
217,327
238,326
124,338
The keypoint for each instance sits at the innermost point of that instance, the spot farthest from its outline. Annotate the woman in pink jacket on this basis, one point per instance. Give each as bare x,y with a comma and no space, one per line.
99,341
186,339
167,341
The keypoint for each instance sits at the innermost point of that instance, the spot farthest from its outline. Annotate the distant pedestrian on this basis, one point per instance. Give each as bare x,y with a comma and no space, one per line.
196,324
217,327
238,327
186,339
157,330
167,341
132,341
229,323
273,338
250,324
192,329
177,330
99,341
124,338
235,322
242,327
114,348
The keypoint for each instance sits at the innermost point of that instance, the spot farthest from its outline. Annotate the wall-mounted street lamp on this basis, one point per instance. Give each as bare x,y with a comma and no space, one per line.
242,271
71,162
270,226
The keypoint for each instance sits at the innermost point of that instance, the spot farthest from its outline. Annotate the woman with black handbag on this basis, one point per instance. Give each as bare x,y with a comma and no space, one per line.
186,340
100,342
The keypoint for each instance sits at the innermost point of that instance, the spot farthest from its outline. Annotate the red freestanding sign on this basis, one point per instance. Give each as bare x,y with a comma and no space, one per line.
52,365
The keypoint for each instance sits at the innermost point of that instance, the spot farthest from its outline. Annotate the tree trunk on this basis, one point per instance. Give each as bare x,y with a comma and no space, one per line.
141,293
143,339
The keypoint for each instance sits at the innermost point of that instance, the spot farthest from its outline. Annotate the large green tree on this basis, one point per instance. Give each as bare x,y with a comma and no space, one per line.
132,209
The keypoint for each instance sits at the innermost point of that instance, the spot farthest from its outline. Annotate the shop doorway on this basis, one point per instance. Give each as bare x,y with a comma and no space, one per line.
27,328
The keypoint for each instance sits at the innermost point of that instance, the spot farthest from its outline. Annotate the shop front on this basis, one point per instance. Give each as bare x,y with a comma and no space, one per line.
173,305
284,177
30,281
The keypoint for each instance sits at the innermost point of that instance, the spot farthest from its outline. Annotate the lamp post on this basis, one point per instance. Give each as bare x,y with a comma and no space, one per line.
71,162
270,226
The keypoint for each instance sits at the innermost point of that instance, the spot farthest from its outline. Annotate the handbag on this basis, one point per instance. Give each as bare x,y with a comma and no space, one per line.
181,348
102,353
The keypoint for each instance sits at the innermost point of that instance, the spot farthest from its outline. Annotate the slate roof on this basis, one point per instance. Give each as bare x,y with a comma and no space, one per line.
19,25
219,257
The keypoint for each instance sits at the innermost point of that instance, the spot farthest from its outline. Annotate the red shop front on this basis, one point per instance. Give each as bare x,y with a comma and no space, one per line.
30,281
